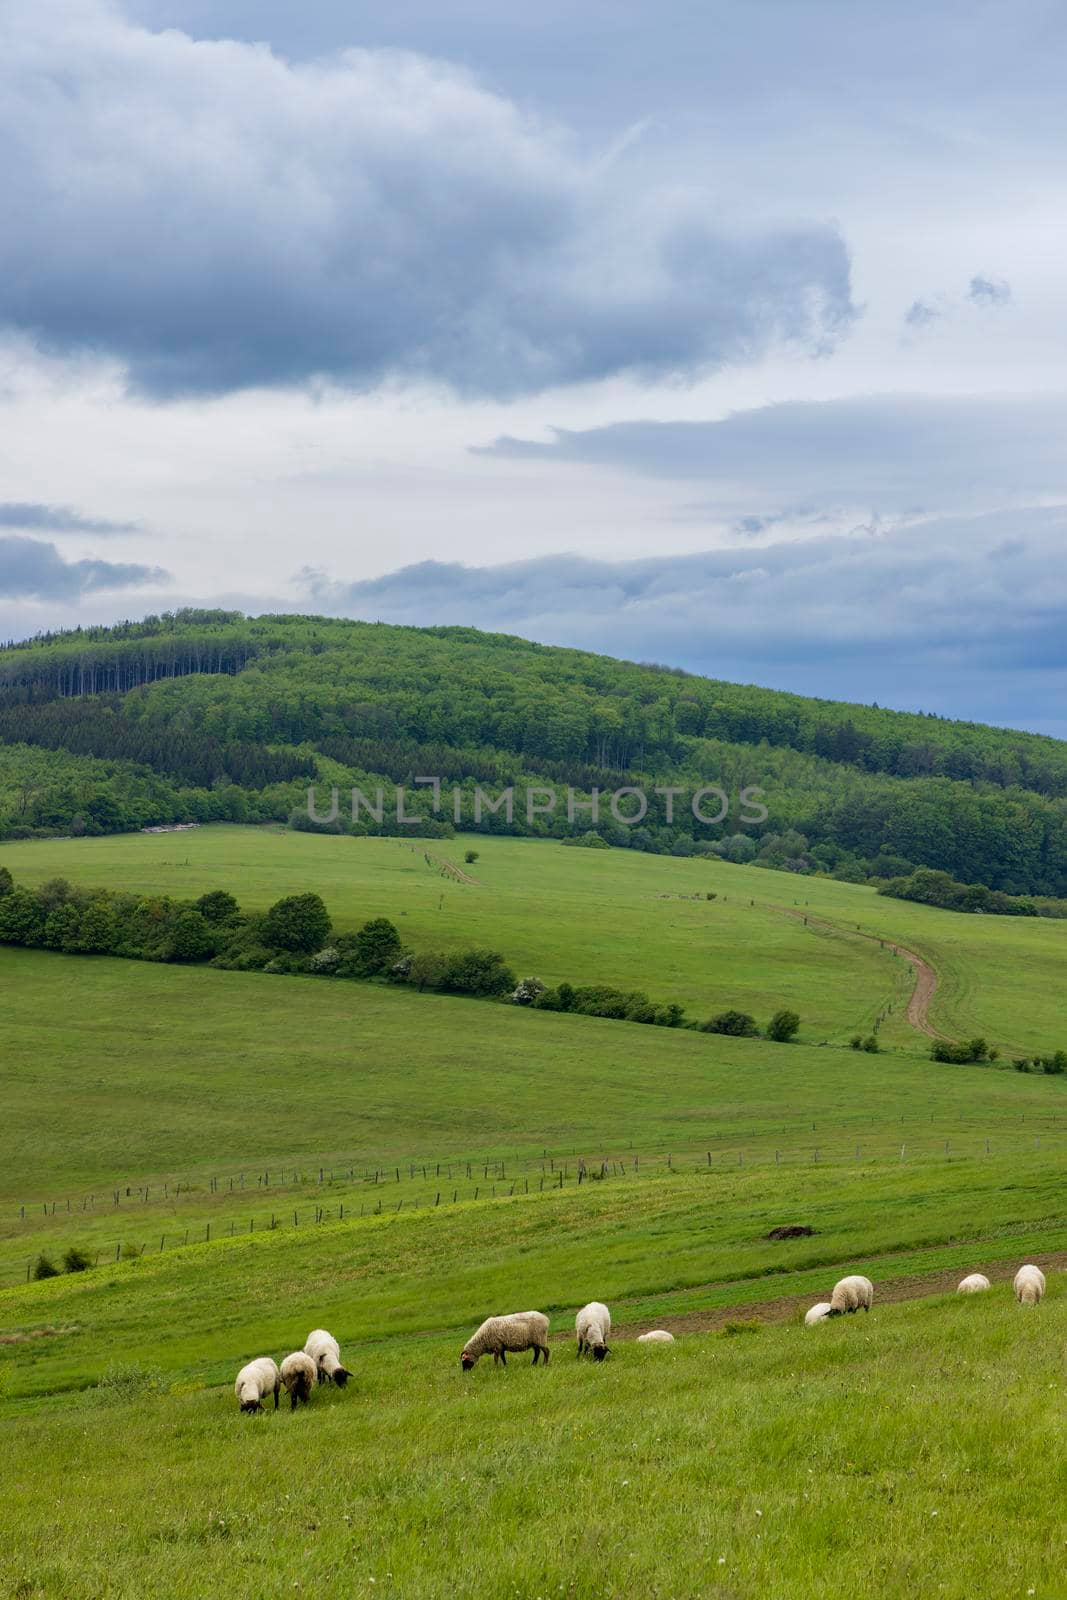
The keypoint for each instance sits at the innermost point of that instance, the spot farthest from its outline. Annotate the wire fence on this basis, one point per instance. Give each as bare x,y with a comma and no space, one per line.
418,1186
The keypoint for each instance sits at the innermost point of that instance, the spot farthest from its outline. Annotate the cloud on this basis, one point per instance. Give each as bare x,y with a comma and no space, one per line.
34,517
31,569
890,455
989,292
214,217
964,615
920,315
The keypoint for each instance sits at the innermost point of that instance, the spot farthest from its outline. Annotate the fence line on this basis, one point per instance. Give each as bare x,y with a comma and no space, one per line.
557,1175
391,1172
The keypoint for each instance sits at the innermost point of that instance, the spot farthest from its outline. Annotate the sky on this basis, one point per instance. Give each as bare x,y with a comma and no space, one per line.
724,333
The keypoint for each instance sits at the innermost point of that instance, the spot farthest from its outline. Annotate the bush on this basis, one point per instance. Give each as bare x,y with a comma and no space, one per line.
45,1267
587,841
76,1260
470,857
738,1024
1054,1064
131,1252
783,1025
324,963
427,970
871,1045
299,922
481,972
218,906
192,938
527,991
375,947
965,1051
856,1042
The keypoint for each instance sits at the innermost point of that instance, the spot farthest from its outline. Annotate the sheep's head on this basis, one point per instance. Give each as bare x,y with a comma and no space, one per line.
466,1361
251,1405
341,1376
599,1352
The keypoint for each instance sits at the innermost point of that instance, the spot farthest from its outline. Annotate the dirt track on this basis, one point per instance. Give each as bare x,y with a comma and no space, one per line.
918,1012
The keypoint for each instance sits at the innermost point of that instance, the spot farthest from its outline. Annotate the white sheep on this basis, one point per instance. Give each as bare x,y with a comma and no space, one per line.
656,1336
324,1350
974,1283
850,1294
298,1374
255,1382
522,1330
592,1325
1029,1285
818,1313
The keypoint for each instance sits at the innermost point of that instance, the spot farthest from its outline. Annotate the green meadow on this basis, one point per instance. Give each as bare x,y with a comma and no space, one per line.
244,1156
624,918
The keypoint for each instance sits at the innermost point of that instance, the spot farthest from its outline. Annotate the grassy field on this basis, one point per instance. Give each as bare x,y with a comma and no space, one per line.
625,918
127,1076
917,1451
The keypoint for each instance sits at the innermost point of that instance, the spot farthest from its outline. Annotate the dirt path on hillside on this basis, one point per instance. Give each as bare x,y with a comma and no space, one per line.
918,1011
890,1291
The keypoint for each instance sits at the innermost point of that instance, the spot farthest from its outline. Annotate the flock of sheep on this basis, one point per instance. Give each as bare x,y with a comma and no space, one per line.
318,1362
856,1293
499,1337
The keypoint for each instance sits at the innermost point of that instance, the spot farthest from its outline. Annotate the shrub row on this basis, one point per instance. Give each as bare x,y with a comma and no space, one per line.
296,936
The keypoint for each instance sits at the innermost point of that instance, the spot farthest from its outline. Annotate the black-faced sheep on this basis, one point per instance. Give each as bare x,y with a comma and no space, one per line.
255,1381
497,1336
298,1374
324,1350
593,1325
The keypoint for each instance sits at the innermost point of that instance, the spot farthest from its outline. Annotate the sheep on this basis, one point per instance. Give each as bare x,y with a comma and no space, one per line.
974,1283
324,1350
850,1294
818,1313
1029,1285
255,1382
592,1325
522,1330
298,1373
656,1336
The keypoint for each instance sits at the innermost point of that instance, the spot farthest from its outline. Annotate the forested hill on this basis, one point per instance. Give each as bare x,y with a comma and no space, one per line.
212,713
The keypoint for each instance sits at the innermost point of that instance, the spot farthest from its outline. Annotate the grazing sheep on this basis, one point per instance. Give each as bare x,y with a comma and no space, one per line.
850,1294
324,1350
657,1336
298,1373
973,1284
255,1382
592,1325
818,1313
1029,1285
522,1330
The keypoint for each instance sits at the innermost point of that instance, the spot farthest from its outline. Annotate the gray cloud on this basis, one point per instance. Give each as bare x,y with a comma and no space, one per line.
215,217
920,315
989,291
33,517
890,455
967,616
31,569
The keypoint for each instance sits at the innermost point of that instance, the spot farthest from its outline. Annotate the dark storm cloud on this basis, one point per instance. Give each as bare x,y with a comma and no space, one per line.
215,217
32,569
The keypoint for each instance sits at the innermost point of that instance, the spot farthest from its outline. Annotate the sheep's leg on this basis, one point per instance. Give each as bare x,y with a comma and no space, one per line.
277,1387
544,1353
503,1359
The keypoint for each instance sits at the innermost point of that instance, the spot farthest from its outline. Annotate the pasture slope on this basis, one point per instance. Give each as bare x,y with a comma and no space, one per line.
917,1451
626,918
